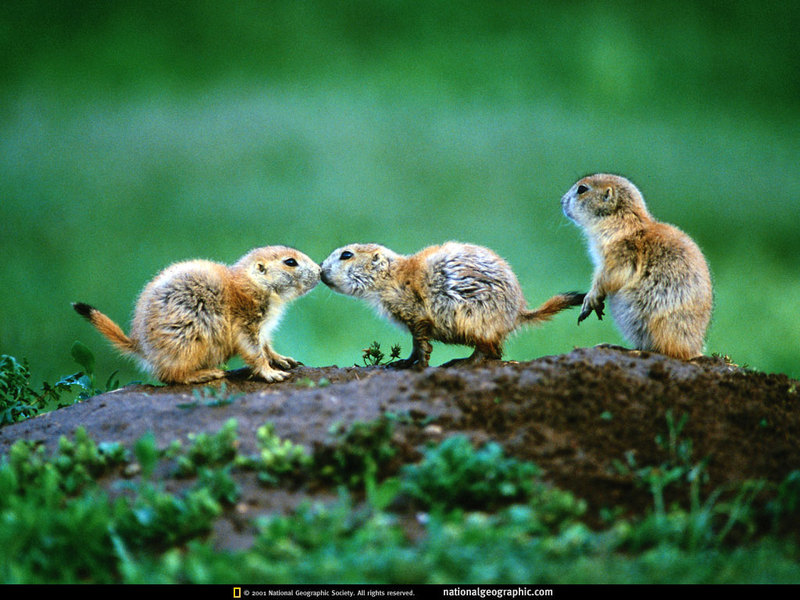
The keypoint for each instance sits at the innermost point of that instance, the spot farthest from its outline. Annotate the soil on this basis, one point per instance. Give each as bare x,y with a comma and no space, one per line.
575,415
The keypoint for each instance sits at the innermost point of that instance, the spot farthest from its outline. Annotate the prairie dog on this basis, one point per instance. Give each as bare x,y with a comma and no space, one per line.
453,293
655,277
195,315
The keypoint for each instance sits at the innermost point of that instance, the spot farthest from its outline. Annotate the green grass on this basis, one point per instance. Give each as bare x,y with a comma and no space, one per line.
134,136
58,525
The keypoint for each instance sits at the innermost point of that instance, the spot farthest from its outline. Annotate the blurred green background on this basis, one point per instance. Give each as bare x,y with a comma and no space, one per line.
135,134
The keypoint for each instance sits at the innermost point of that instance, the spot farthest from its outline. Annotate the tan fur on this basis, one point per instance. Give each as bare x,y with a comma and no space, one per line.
453,293
655,277
195,315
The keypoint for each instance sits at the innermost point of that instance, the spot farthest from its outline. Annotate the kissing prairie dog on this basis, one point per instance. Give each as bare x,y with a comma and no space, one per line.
453,293
195,315
654,276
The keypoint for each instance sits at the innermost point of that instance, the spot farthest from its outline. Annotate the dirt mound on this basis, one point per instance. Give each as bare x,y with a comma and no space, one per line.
575,415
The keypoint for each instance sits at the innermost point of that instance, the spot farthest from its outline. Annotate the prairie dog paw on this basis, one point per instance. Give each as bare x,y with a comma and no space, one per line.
271,375
592,304
284,362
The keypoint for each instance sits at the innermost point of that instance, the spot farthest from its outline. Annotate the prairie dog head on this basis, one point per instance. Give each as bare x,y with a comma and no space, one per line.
596,198
358,269
281,270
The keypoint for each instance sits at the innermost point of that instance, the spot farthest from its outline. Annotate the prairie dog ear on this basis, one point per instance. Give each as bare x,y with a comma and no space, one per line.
608,193
380,260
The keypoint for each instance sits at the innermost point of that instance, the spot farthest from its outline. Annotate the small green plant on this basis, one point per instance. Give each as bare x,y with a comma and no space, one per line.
19,401
786,504
209,450
148,517
75,464
456,475
277,458
409,418
307,382
373,355
154,518
147,453
47,536
707,522
677,467
357,455
354,536
82,355
678,448
211,396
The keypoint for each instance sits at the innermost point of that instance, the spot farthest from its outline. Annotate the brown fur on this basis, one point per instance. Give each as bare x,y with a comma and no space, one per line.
655,277
453,293
195,315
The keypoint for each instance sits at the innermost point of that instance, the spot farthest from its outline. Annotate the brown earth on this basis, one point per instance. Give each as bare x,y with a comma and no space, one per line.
574,415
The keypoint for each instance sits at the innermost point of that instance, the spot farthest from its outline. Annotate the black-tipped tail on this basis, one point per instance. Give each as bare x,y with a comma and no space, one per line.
574,298
106,326
83,310
552,307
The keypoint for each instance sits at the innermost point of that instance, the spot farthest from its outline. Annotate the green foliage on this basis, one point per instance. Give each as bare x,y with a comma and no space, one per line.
356,455
786,505
307,382
344,543
86,379
334,543
54,524
211,396
278,458
84,357
158,519
209,450
454,474
57,525
76,464
45,538
147,454
373,355
220,484
18,399
677,467
709,520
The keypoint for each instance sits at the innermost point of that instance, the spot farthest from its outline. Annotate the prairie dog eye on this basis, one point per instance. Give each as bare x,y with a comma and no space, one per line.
346,255
290,262
582,189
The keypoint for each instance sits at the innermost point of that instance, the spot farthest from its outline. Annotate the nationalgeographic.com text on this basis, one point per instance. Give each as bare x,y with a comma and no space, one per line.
519,592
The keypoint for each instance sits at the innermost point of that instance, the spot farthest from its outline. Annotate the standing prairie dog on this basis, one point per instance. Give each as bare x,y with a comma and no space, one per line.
195,315
453,293
655,277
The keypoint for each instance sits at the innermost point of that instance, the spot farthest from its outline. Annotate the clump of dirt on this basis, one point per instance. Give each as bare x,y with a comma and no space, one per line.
575,415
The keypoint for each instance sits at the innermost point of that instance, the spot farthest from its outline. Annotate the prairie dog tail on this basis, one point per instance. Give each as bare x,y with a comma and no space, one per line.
107,327
551,307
